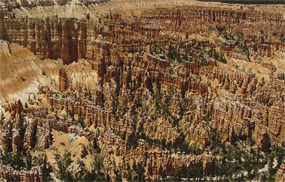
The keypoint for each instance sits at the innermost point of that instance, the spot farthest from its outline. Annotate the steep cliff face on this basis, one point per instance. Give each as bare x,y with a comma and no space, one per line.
72,39
49,39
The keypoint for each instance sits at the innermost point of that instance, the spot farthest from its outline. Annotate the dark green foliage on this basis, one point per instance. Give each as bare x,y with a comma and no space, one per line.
176,175
118,176
235,158
10,136
270,160
244,50
139,169
163,106
95,146
34,137
282,38
129,175
180,145
132,141
202,60
115,103
154,49
281,76
94,175
45,169
63,164
219,56
240,38
17,161
25,161
71,114
195,171
188,55
161,143
5,157
192,172
173,53
266,99
28,161
44,73
87,176
220,28
183,146
2,118
81,120
22,130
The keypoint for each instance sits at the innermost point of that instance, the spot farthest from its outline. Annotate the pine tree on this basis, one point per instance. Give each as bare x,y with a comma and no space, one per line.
118,176
21,128
2,118
46,169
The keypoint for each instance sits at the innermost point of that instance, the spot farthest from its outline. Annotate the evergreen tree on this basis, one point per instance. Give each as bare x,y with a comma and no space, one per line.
140,171
63,164
2,119
129,175
46,169
118,176
22,131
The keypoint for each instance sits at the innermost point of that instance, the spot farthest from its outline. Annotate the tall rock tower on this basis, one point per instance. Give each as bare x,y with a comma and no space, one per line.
63,80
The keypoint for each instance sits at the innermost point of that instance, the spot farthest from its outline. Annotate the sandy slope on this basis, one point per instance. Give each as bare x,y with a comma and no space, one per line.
21,72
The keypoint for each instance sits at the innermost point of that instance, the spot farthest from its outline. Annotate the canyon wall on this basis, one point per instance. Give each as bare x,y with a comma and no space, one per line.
72,39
